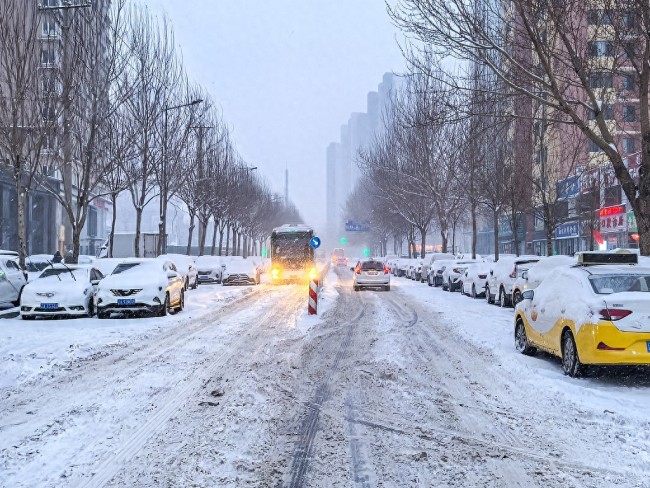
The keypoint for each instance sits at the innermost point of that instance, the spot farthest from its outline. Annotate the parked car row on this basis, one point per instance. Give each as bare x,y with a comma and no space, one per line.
591,309
105,286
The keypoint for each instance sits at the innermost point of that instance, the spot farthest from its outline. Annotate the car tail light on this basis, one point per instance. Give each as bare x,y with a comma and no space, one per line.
482,277
614,314
386,270
357,270
513,274
604,347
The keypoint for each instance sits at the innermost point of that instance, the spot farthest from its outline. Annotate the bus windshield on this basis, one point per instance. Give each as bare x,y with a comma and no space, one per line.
293,246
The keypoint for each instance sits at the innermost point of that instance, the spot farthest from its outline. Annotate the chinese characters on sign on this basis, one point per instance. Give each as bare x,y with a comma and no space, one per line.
613,219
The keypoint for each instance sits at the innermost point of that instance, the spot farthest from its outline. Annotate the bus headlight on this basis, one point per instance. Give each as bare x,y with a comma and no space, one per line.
313,274
275,272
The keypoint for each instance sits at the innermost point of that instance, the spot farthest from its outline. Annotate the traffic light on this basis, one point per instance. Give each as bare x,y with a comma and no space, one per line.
366,252
344,240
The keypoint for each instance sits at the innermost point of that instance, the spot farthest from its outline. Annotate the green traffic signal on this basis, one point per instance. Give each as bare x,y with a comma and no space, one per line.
366,252
344,240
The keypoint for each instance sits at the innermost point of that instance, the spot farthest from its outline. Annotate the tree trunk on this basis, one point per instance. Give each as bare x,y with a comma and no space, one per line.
138,230
474,231
76,242
214,238
227,239
423,241
444,237
495,223
549,240
111,236
515,233
20,200
203,230
191,233
220,240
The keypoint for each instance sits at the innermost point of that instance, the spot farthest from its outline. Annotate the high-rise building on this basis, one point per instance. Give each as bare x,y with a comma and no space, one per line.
343,171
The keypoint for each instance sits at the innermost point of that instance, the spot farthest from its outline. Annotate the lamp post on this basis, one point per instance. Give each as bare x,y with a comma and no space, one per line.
162,225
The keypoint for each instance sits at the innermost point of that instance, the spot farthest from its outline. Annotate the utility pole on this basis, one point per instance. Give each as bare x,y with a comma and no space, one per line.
286,187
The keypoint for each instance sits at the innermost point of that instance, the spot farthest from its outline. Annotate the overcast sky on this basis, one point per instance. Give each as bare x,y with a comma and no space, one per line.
287,74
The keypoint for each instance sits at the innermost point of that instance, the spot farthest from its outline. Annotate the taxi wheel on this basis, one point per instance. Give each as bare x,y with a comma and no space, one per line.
516,297
570,361
473,291
356,288
521,340
488,297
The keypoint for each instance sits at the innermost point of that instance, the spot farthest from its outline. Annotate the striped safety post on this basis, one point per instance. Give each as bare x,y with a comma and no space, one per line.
313,297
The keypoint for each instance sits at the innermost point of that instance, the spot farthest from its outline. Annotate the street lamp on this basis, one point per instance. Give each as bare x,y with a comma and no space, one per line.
162,231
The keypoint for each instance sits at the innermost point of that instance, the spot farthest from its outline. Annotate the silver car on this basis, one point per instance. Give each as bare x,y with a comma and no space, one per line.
371,273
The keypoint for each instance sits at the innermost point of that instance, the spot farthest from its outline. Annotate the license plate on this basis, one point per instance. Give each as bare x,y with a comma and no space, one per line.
204,277
126,301
372,273
49,306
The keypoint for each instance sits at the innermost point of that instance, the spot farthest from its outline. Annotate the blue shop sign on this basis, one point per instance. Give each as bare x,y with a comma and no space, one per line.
570,229
568,187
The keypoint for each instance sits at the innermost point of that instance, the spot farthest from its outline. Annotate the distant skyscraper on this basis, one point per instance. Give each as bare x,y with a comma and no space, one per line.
343,172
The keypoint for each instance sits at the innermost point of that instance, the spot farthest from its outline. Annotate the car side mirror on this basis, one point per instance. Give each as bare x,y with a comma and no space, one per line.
94,282
524,275
491,272
528,295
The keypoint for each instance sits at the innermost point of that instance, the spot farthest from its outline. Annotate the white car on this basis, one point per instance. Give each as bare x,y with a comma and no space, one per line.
371,273
428,263
240,272
209,268
503,276
453,274
61,290
12,281
107,265
475,279
141,286
437,270
531,279
186,267
404,267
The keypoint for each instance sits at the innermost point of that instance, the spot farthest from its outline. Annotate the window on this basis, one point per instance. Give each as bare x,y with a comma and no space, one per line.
49,142
629,113
48,112
629,82
600,49
372,266
629,21
593,147
49,26
601,80
629,145
50,3
47,56
600,17
11,265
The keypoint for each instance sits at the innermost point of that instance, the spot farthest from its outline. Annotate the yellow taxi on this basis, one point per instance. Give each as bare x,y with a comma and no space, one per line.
596,312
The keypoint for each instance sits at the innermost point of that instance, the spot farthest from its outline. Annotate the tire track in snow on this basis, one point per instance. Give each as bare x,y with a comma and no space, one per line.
111,466
306,433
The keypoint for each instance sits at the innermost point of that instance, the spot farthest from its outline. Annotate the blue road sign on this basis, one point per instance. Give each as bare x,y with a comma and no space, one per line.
315,242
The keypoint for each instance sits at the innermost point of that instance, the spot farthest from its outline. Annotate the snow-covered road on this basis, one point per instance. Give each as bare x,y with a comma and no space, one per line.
413,387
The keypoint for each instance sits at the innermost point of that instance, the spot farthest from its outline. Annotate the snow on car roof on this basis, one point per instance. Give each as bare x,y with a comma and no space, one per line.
293,228
615,269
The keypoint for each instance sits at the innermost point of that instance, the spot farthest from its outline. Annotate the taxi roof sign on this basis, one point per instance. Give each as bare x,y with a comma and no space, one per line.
588,258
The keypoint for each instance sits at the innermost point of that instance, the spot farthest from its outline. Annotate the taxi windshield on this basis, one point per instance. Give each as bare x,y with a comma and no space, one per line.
606,284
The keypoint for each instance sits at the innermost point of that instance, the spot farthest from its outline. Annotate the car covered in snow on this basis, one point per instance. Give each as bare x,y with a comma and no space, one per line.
209,268
139,286
12,281
186,267
453,274
428,263
371,273
61,290
404,266
437,270
475,279
531,279
240,272
589,314
415,269
503,276
35,264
